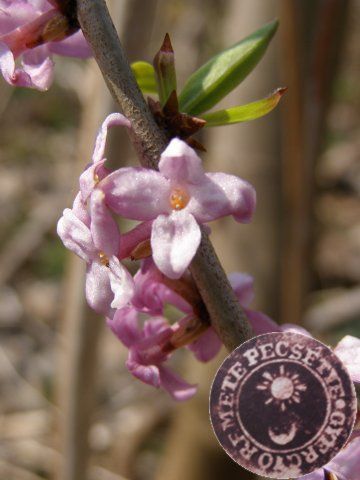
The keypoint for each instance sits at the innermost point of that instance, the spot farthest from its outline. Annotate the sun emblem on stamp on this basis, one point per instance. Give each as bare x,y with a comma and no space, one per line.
282,405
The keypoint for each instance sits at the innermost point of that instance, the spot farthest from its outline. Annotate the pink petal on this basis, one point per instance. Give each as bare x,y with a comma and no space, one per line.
12,75
98,290
348,350
347,461
7,63
174,241
80,210
15,13
131,239
137,193
155,326
91,176
345,465
121,282
243,286
261,323
221,195
73,46
147,296
104,229
125,326
39,66
207,346
76,236
291,327
100,144
176,386
151,294
146,373
316,475
180,163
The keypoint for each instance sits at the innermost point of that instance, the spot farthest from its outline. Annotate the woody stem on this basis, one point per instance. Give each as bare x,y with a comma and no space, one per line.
224,310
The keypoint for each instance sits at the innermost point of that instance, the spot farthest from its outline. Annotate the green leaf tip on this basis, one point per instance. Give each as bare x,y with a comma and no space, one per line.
145,77
244,113
223,72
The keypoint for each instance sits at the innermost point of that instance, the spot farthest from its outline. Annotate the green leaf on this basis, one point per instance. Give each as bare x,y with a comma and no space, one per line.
145,77
222,73
244,113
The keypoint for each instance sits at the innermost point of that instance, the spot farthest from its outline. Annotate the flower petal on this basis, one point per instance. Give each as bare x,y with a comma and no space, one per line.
125,326
15,13
175,386
73,46
221,195
131,239
39,66
121,282
345,465
137,193
243,286
80,211
76,236
291,327
98,290
261,323
207,346
146,373
174,241
156,325
110,121
104,229
90,177
180,163
348,350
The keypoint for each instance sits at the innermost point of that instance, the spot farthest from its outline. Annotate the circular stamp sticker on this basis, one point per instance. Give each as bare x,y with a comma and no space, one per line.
282,405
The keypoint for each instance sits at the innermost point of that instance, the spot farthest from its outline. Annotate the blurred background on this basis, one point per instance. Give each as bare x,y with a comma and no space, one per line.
69,410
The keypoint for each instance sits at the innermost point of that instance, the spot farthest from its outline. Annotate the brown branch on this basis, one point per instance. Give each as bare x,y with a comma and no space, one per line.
225,312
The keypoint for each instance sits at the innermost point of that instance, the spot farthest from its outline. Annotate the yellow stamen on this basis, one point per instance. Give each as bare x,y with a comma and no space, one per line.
179,199
104,259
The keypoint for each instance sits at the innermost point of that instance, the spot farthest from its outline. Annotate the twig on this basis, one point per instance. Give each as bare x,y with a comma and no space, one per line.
224,310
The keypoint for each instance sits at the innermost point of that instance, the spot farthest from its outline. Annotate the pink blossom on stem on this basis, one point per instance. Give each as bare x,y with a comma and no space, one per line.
147,352
178,198
345,465
25,34
96,170
96,240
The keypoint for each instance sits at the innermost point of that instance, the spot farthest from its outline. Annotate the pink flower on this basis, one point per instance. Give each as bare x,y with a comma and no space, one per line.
23,27
345,465
147,352
96,170
151,294
95,238
348,350
177,198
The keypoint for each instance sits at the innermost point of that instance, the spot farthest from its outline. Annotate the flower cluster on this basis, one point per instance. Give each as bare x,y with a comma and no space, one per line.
31,31
170,204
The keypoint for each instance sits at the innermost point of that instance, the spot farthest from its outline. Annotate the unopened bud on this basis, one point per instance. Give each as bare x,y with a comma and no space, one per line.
51,26
164,65
329,475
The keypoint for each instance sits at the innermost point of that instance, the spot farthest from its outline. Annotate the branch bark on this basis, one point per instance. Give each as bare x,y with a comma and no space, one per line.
224,310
